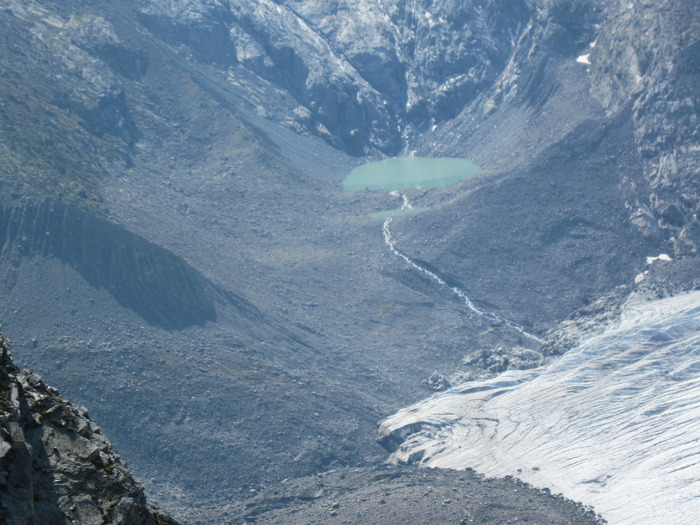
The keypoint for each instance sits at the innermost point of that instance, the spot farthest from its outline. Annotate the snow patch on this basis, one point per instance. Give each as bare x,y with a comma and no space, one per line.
584,59
660,257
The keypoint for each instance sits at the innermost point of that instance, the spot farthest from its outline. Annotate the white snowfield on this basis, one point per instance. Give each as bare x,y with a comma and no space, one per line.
614,423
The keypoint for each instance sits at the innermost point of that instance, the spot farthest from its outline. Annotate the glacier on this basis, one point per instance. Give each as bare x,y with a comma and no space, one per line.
613,423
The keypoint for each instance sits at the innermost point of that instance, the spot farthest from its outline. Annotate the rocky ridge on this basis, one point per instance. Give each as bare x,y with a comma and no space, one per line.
56,466
364,75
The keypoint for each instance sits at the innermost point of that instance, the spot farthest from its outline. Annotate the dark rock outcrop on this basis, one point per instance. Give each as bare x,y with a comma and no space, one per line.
206,34
55,465
61,132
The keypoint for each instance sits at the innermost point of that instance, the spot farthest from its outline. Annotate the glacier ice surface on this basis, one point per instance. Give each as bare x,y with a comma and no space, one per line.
614,423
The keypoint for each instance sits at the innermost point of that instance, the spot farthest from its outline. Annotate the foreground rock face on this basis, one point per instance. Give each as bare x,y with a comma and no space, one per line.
55,464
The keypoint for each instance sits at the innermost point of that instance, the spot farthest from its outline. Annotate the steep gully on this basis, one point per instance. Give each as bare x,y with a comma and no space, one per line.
461,294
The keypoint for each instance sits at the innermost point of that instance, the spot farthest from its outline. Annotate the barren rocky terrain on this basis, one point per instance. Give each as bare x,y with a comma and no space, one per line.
177,252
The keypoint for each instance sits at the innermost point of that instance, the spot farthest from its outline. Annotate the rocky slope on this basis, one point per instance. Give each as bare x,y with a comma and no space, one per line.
223,286
56,466
161,287
361,74
573,71
393,495
646,57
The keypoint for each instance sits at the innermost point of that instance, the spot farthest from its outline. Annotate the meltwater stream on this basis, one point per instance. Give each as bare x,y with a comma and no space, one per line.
388,239
419,173
614,423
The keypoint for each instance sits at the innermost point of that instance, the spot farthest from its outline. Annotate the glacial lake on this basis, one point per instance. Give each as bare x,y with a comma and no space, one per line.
406,173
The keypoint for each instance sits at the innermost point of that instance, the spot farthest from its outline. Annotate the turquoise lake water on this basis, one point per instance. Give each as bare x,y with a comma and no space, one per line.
407,173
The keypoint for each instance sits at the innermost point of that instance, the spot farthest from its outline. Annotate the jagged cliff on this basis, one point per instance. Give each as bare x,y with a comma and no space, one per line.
647,57
56,466
364,75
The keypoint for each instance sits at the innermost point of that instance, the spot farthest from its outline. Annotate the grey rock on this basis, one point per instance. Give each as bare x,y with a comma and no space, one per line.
366,73
5,447
502,358
646,222
646,56
438,381
391,495
51,473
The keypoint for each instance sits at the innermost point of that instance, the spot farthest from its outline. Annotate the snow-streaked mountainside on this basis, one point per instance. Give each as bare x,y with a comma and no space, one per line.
613,423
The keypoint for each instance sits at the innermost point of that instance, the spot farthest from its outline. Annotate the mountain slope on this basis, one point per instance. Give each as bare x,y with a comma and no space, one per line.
199,146
393,495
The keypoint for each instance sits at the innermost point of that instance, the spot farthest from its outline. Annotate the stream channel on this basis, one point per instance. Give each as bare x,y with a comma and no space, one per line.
420,173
